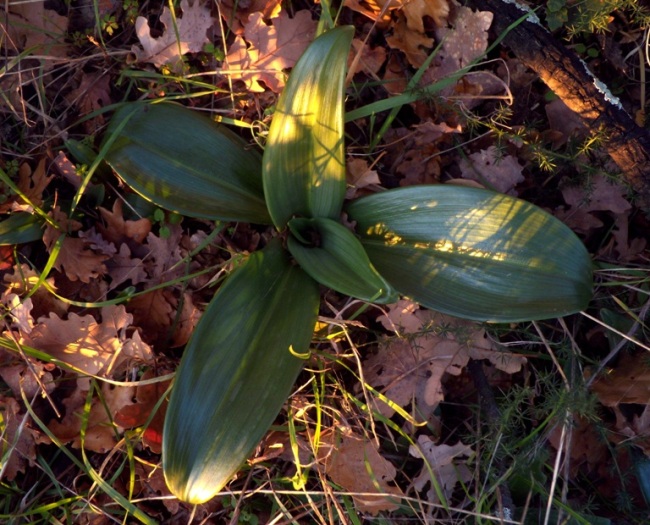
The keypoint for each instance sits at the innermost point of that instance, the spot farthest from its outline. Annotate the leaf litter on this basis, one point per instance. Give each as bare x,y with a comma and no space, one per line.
418,354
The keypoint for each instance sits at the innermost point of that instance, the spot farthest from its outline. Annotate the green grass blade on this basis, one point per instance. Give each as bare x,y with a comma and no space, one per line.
236,372
184,162
335,258
304,159
473,253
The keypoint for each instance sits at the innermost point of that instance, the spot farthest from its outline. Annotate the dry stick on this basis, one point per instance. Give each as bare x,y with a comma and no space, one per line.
489,403
568,76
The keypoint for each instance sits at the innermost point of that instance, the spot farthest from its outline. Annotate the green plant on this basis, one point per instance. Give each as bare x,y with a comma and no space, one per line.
464,251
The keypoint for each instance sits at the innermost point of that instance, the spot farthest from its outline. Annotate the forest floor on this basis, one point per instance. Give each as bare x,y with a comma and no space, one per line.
95,322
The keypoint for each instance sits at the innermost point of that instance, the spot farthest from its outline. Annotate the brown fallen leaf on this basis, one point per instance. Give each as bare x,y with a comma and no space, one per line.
236,14
448,463
488,166
32,183
359,175
464,42
602,194
137,414
628,382
118,229
370,59
92,94
95,348
153,312
414,45
265,51
353,462
101,432
411,368
30,26
415,10
17,440
186,33
76,258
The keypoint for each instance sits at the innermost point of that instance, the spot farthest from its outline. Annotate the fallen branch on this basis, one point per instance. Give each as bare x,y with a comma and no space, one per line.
570,79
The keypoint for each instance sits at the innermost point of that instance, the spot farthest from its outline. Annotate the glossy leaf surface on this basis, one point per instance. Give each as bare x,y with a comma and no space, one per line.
20,228
473,253
304,158
334,257
237,371
184,162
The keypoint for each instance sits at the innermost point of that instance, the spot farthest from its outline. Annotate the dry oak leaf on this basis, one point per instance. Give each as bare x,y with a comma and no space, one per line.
153,312
94,348
628,382
412,368
353,462
118,229
184,34
411,43
415,11
93,93
370,59
448,463
377,10
164,255
236,13
359,175
29,26
124,267
76,258
461,44
270,50
43,302
147,397
32,184
601,195
489,167
17,440
101,431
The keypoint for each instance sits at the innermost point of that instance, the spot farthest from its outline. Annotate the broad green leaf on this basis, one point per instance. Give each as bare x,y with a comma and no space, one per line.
334,257
21,227
304,158
237,370
184,162
473,253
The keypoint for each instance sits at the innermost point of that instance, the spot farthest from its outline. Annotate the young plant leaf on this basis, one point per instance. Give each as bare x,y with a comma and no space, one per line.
473,253
237,371
304,158
184,162
332,255
21,227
